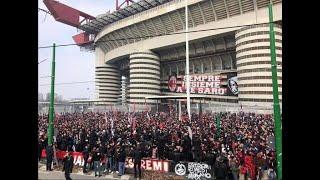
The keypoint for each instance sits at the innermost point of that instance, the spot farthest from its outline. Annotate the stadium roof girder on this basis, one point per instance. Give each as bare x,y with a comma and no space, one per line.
125,10
131,10
108,20
148,3
141,5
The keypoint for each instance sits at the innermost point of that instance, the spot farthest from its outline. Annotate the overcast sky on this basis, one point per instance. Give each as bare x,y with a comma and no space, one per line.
72,65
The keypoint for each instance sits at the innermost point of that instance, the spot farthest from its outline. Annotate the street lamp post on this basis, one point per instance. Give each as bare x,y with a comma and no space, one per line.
51,109
276,106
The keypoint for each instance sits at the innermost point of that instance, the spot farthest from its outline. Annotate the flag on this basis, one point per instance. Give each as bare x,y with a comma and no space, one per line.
133,123
129,118
112,123
145,105
105,117
148,116
190,132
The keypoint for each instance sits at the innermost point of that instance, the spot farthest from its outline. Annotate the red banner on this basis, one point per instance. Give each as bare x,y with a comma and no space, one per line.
77,156
148,164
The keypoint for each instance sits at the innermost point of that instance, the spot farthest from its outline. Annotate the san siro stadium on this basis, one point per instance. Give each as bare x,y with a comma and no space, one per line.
140,53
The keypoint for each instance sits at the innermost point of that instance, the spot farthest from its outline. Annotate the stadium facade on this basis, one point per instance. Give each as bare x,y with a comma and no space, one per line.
230,64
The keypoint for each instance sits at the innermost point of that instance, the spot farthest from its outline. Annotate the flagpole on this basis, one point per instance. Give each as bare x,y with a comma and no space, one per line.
187,61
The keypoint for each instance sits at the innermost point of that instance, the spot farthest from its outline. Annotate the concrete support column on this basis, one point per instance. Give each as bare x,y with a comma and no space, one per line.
108,80
144,77
108,83
254,65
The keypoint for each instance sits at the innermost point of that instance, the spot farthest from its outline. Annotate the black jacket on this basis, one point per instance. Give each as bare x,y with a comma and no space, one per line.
186,145
68,164
85,154
220,170
49,152
137,156
96,156
122,156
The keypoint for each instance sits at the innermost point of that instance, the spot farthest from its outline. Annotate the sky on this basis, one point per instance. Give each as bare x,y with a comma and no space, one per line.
72,65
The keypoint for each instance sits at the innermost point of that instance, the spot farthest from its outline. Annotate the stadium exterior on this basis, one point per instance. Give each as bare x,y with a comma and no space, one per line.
154,65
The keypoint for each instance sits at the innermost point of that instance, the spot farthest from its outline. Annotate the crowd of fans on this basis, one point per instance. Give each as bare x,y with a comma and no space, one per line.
111,136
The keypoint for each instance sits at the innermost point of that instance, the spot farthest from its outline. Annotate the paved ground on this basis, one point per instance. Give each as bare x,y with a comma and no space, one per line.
58,174
44,175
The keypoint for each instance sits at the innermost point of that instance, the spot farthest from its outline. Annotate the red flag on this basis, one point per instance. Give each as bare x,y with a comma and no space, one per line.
133,123
161,126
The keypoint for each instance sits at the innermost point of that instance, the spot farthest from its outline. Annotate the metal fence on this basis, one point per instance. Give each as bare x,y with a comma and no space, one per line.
206,107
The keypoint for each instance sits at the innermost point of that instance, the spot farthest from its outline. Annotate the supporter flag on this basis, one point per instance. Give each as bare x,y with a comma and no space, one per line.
190,132
112,121
133,123
145,105
148,116
105,117
129,118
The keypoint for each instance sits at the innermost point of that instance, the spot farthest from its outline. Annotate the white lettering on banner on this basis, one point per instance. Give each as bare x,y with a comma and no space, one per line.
198,170
192,90
150,164
78,160
157,165
143,164
195,78
214,91
204,78
211,78
222,90
179,89
206,91
202,84
130,163
165,166
209,84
